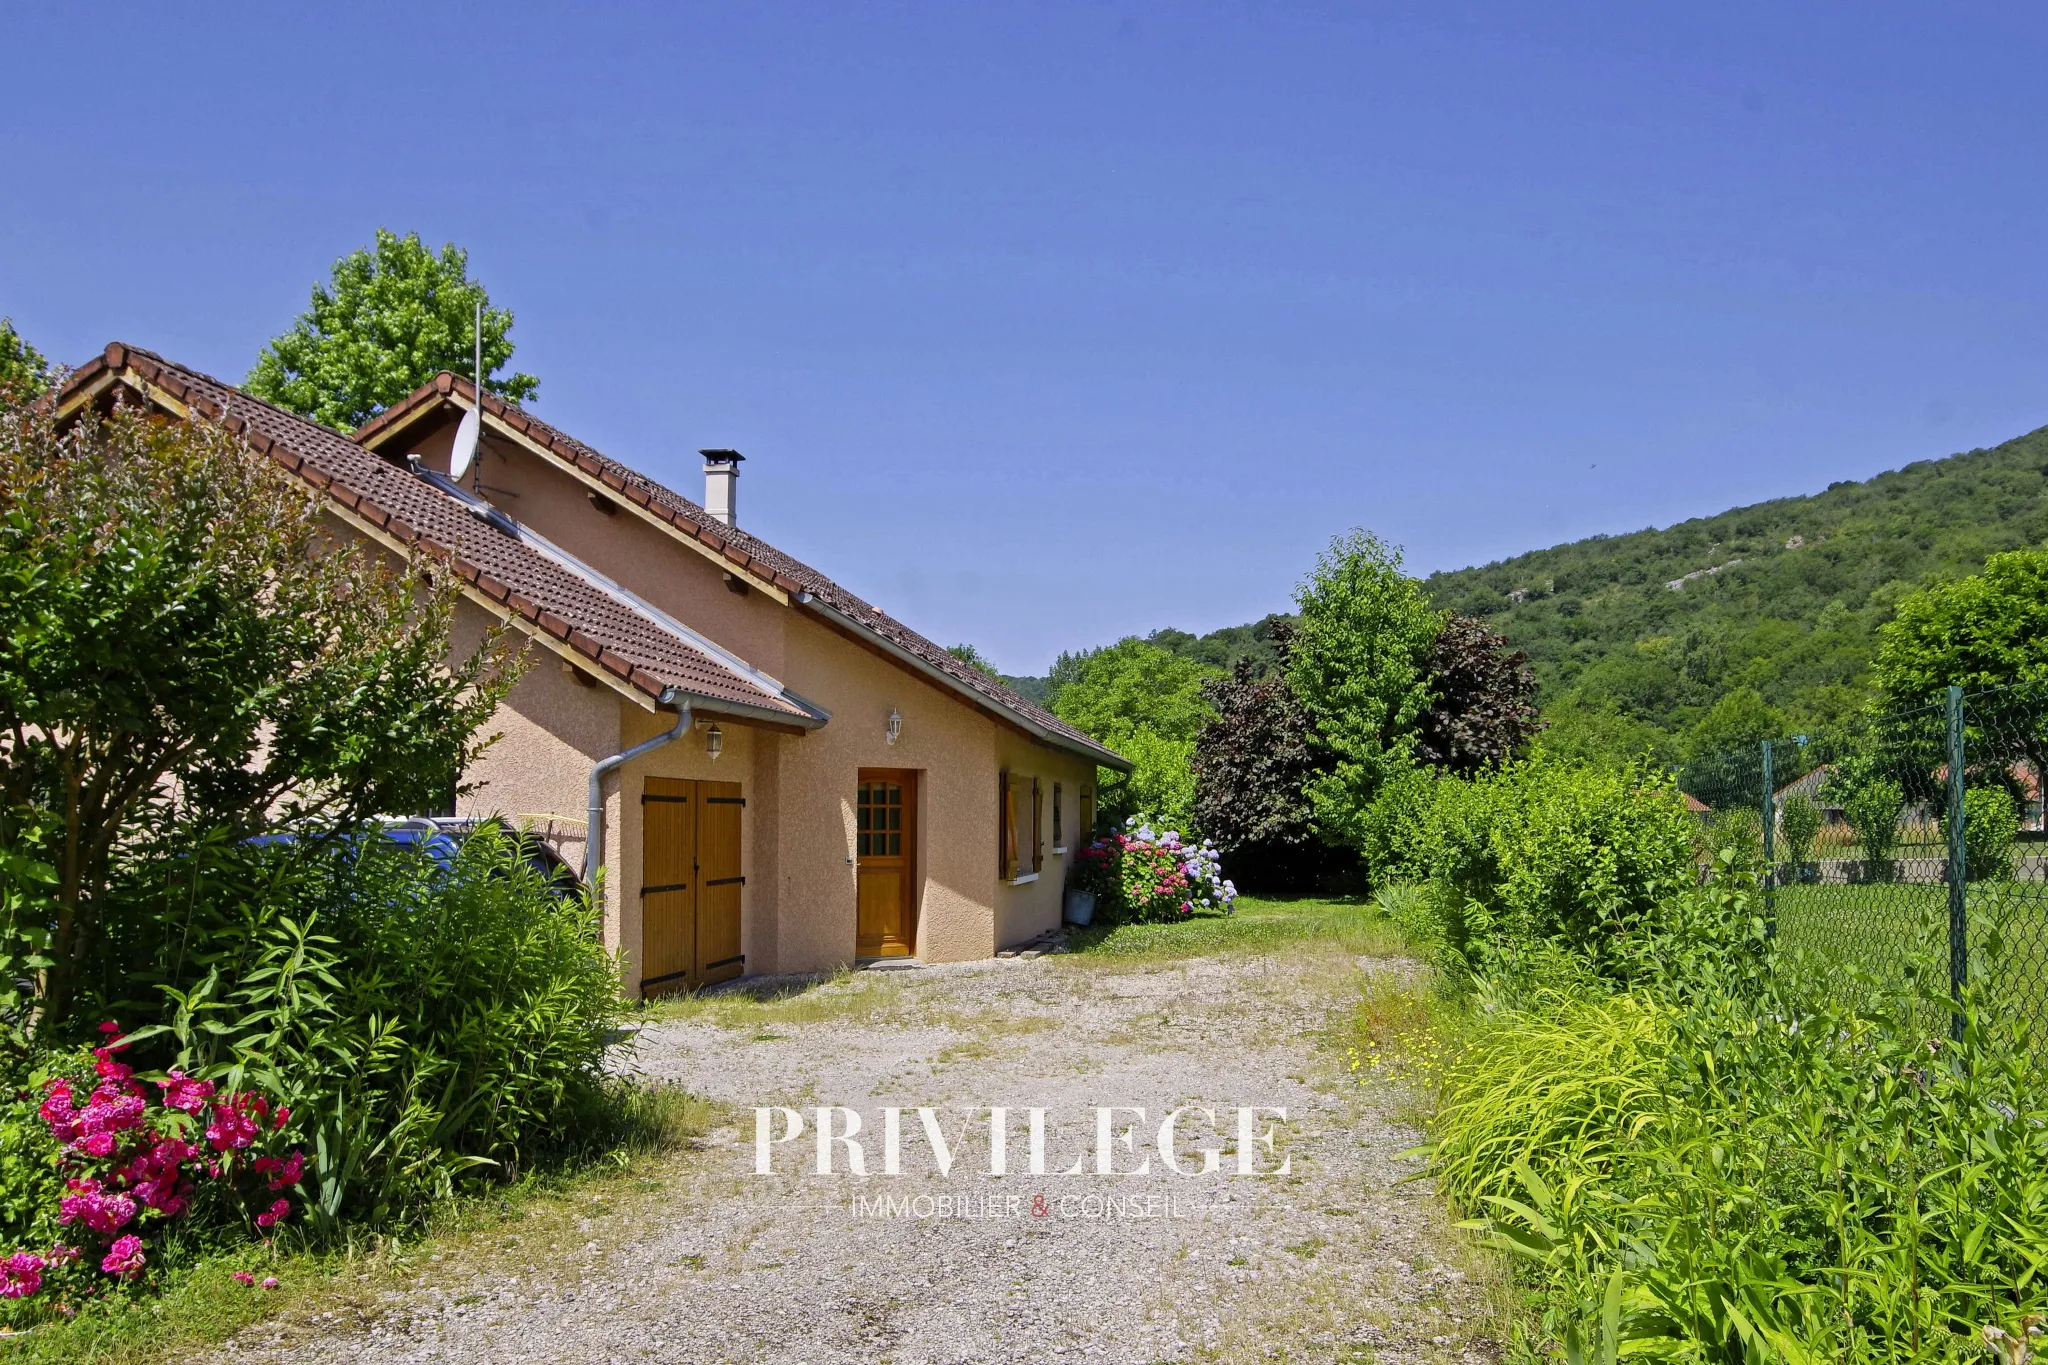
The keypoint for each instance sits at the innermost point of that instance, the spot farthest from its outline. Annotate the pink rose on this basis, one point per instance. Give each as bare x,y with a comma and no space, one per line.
124,1258
20,1275
183,1093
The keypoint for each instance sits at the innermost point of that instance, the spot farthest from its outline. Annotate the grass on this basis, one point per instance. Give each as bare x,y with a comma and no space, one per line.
1259,924
1883,928
201,1306
844,996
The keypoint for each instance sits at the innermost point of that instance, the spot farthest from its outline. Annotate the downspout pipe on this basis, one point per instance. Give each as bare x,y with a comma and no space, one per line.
593,828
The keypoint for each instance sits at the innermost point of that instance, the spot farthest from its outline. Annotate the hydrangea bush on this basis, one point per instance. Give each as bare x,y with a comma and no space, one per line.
133,1163
1142,875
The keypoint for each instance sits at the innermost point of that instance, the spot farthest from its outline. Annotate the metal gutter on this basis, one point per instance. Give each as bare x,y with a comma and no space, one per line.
1104,757
593,828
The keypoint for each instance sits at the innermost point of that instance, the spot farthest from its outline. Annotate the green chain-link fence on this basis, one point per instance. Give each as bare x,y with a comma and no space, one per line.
1910,842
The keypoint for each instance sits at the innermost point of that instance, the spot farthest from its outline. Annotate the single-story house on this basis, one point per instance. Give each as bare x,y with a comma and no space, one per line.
772,774
1814,787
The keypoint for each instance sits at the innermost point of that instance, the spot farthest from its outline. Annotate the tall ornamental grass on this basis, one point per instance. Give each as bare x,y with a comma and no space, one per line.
1730,1164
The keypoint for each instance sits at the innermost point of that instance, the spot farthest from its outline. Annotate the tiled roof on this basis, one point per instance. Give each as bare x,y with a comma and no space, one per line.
744,551
549,597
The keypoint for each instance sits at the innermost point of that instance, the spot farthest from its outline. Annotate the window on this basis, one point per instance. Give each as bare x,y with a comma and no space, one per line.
1022,848
878,820
1087,814
1059,840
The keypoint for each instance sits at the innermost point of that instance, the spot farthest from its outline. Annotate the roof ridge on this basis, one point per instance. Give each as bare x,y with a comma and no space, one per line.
746,550
550,598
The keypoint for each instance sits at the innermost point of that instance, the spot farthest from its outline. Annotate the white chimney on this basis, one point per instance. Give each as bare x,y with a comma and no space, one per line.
721,484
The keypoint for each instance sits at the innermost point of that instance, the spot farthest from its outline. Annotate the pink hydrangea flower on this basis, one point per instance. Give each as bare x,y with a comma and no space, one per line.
243,1277
124,1258
270,1283
183,1093
62,1255
110,1028
20,1275
275,1214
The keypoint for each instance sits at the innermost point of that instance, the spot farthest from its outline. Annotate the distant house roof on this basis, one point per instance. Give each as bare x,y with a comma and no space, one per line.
1695,805
660,660
1810,786
805,587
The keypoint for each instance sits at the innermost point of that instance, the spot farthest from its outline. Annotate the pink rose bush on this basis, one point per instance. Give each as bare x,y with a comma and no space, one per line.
134,1162
1142,875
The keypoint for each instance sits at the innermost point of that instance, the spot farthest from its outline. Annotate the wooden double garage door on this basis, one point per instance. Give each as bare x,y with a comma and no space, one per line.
690,884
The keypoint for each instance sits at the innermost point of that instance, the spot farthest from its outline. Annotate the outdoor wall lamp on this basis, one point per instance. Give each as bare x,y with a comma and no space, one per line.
714,741
895,730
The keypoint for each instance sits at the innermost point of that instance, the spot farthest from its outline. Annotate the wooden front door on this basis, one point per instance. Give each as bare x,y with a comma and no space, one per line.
690,884
885,845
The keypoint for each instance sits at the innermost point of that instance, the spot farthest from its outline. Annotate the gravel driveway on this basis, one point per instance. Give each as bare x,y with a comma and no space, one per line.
707,1261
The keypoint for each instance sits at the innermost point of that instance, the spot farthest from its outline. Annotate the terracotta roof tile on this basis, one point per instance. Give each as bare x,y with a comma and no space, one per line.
757,556
548,595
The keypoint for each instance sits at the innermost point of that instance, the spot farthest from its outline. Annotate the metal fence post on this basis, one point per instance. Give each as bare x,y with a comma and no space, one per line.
1958,869
1770,842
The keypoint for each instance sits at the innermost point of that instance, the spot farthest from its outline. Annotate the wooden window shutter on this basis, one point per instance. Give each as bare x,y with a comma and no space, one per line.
1037,834
1087,814
1006,828
1059,833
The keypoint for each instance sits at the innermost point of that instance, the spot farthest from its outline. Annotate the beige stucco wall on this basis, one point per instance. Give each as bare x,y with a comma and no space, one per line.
798,845
625,547
1026,911
951,748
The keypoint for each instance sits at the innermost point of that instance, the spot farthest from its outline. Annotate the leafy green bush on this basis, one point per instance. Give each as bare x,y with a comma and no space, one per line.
1991,824
427,1025
1739,832
1544,852
1872,801
1147,876
1799,822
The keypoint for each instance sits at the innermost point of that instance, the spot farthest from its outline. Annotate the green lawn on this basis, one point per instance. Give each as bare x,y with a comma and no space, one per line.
1885,927
1259,923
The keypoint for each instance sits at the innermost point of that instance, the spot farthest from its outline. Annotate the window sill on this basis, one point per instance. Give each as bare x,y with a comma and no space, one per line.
1025,880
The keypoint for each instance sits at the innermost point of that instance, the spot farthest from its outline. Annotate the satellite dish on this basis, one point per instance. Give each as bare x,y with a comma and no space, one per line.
465,445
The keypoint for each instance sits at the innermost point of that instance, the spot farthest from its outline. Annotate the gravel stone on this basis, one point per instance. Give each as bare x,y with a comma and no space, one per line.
1345,1259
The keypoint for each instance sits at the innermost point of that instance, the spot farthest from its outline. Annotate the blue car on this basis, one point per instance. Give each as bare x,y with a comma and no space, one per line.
439,837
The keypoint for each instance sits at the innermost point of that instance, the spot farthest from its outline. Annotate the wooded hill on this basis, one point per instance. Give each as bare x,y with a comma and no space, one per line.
1635,637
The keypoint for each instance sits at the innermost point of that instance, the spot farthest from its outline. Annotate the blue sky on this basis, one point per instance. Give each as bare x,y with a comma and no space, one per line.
1042,324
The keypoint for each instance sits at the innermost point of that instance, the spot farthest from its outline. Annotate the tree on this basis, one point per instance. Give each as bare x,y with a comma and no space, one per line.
1146,704
1724,751
1482,709
1863,784
1600,735
1359,663
1253,765
391,321
22,367
973,658
187,658
1987,630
